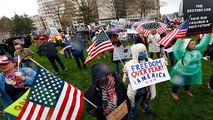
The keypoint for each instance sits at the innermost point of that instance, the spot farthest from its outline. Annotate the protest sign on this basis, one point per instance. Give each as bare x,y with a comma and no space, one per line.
52,27
122,52
118,24
119,112
201,15
148,73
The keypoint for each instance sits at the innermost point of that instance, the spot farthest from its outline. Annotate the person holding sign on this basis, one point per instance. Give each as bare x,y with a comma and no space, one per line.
106,92
139,55
188,69
13,82
117,43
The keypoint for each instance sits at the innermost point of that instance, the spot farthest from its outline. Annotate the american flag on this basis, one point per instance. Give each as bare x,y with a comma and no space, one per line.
50,98
161,29
98,46
141,29
179,32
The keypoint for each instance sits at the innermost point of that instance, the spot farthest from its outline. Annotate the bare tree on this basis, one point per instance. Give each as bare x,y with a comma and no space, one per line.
62,9
87,11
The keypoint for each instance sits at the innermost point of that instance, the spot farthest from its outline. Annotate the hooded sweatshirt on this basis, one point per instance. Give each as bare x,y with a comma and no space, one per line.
136,49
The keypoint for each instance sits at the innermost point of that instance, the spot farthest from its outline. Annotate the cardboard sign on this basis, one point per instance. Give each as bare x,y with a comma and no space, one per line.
147,73
122,52
119,112
201,15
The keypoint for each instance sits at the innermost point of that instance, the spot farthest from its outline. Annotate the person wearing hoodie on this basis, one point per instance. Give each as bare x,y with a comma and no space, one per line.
139,54
106,92
188,69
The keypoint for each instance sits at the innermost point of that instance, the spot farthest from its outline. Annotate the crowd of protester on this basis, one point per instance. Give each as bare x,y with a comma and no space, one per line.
106,89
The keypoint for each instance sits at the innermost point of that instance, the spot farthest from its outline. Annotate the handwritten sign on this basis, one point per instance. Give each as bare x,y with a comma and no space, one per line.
122,52
201,15
148,73
119,112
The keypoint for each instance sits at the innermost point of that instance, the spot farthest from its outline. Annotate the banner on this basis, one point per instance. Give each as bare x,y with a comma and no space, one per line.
17,106
148,73
201,15
122,52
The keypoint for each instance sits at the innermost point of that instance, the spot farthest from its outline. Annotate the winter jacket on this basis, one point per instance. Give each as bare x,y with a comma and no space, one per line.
5,98
136,49
25,53
94,94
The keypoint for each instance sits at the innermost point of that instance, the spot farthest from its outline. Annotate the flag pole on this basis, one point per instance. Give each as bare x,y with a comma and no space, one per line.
50,72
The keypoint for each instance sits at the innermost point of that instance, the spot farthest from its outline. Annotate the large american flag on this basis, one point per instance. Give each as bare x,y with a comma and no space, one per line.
98,46
179,32
50,98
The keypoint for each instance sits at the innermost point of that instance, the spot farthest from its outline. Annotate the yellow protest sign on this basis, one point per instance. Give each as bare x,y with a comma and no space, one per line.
119,112
16,107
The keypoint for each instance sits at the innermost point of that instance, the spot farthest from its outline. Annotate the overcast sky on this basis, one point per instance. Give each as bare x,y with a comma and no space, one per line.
10,7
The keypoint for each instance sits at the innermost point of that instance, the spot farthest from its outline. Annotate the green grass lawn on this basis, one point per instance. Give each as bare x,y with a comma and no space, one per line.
199,107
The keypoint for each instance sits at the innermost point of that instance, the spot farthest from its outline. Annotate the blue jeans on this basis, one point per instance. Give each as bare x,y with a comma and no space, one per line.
146,106
175,88
29,64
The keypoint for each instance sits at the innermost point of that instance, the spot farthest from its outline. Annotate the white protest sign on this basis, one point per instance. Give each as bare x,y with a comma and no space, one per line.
148,73
122,52
51,26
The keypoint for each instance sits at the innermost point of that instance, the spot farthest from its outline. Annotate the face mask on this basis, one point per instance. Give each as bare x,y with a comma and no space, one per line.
103,83
142,56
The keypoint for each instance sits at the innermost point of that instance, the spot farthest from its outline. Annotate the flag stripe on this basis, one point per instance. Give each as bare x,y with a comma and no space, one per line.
38,117
44,114
72,106
32,109
27,112
77,105
68,106
81,107
35,113
64,102
62,96
23,110
49,114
